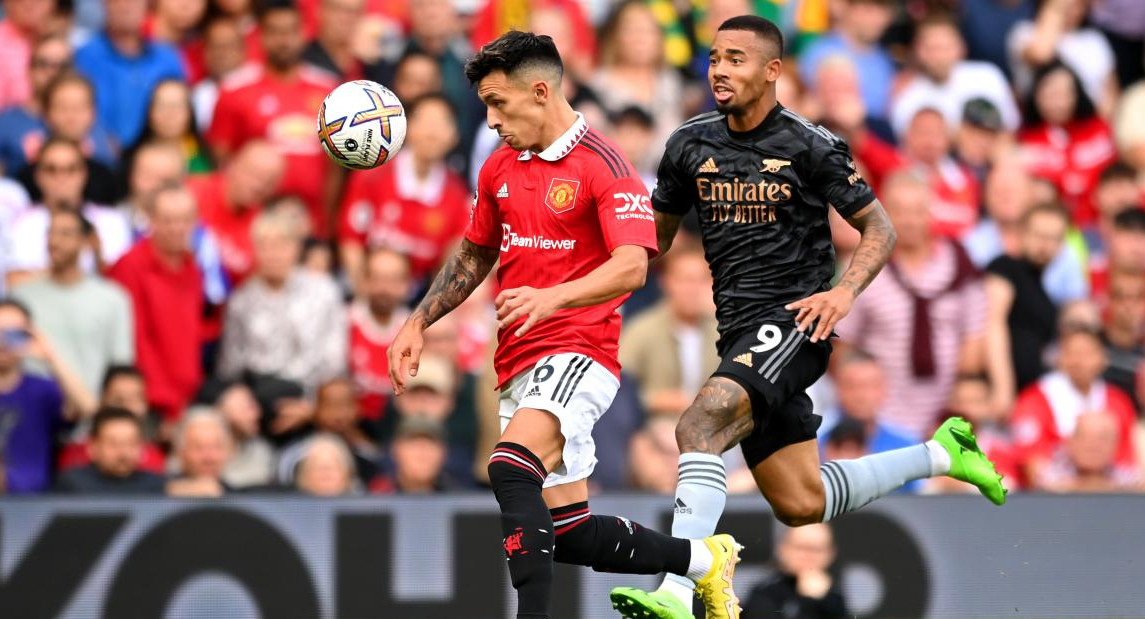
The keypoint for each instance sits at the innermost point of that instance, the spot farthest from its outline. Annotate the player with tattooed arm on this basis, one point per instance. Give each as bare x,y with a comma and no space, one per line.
761,179
572,226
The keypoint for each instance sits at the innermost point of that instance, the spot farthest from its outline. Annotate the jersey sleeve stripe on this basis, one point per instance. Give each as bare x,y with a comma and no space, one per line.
620,163
611,167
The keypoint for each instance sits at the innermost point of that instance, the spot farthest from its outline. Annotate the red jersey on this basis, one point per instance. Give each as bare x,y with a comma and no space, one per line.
1072,157
389,207
368,365
954,208
556,215
230,224
255,104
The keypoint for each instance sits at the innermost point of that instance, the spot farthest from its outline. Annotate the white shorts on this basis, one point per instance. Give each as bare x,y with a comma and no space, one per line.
577,391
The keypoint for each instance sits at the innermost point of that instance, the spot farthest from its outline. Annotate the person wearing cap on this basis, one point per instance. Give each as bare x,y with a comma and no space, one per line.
336,414
979,136
418,455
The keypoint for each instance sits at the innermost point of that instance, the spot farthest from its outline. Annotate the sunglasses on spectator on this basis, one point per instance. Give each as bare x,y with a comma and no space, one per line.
15,338
74,168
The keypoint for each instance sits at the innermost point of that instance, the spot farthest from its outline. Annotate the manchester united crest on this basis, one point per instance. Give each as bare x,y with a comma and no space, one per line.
562,195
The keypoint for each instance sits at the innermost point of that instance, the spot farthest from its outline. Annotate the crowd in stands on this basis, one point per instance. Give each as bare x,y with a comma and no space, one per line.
194,300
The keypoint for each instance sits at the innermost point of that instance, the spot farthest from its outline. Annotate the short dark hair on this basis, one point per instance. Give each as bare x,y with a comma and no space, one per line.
108,414
762,26
86,228
266,7
63,78
512,52
429,97
1130,220
1117,171
16,305
115,371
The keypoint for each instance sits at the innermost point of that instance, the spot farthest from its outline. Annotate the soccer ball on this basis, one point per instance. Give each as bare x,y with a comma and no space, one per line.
361,124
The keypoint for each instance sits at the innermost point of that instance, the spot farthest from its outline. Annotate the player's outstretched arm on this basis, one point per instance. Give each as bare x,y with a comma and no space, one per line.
462,273
877,240
622,273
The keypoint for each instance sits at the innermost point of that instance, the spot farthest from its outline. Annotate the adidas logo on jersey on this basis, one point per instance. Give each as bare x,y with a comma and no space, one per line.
503,192
536,390
708,167
744,359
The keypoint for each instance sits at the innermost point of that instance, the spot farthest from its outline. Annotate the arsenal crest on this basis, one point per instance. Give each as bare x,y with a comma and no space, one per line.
562,195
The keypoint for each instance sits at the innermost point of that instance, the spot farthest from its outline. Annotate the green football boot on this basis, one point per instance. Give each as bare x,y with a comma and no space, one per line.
967,462
639,604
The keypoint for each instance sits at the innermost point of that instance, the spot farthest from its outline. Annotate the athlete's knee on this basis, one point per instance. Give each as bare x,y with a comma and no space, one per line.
513,466
800,508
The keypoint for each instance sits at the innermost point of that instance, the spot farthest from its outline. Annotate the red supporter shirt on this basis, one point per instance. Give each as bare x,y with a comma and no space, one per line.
255,104
389,207
168,309
229,224
1073,158
368,364
557,215
954,208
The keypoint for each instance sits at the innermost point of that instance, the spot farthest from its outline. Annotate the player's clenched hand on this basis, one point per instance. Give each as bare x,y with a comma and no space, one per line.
827,307
516,303
404,354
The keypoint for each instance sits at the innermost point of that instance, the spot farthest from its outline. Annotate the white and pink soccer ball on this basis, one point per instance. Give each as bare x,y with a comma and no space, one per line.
361,124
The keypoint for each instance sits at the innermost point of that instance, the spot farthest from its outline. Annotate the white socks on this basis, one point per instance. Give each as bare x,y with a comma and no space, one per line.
851,484
701,493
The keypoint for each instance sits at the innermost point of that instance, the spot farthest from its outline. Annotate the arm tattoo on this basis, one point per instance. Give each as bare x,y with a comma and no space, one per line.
666,227
877,240
460,276
718,419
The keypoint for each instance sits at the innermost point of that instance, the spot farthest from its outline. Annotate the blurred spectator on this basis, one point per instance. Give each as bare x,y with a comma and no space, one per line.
1123,24
416,74
154,165
1129,126
22,130
1125,252
229,201
857,27
985,24
33,408
166,290
955,191
176,22
276,101
119,56
87,318
1022,317
203,448
116,451
801,586
843,111
414,205
652,453
417,456
669,349
971,399
171,122
578,49
979,137
1124,332
69,113
223,54
279,322
1116,191
60,173
1047,412
317,257
1086,461
1064,140
332,50
242,13
123,387
1008,195
923,317
633,71
336,414
946,80
847,440
252,463
374,319
1058,35
325,468
23,22
430,393
632,130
